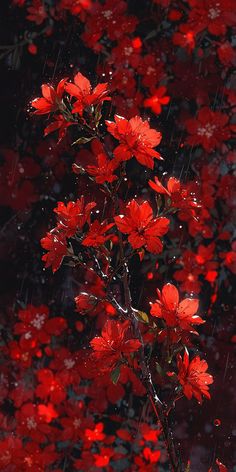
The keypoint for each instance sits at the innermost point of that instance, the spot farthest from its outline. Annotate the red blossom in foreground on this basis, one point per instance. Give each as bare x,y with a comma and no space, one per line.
142,228
175,313
113,343
81,89
51,100
73,216
209,129
193,377
136,139
157,100
55,243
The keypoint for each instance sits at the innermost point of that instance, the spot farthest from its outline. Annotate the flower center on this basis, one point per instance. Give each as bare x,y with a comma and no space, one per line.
214,12
31,423
38,321
150,70
107,14
206,130
69,363
128,50
77,423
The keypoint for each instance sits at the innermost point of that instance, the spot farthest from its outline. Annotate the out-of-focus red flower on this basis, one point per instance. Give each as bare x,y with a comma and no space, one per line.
35,327
142,228
175,313
214,16
136,139
50,386
81,89
193,377
36,12
103,458
114,342
55,243
185,37
209,129
51,100
157,100
95,434
73,216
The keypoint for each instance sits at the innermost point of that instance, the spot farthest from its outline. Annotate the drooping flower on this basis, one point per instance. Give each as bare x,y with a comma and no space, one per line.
193,377
175,313
55,243
81,89
143,230
136,139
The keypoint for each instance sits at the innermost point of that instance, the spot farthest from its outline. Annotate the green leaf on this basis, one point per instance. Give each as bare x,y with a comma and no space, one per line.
143,316
82,140
115,375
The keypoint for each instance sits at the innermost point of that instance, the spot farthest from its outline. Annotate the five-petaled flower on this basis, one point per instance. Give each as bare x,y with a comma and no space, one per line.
143,230
193,377
136,139
157,100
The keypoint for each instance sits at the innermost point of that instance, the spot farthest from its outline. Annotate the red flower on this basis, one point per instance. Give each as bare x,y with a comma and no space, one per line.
213,15
31,424
136,139
103,458
95,434
73,216
36,12
35,327
81,89
50,101
113,342
158,99
193,377
50,386
184,38
103,172
142,228
60,124
176,314
55,243
96,234
209,129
